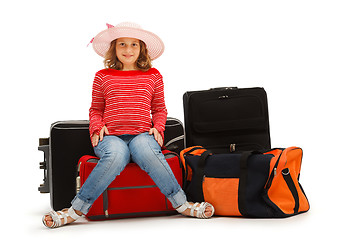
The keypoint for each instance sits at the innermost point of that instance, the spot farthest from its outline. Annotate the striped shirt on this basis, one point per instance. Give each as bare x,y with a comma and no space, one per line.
127,102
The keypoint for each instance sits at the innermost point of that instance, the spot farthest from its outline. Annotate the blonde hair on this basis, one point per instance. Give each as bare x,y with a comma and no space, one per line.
143,62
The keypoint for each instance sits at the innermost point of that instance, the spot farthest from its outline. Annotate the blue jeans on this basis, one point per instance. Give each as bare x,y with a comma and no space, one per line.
114,153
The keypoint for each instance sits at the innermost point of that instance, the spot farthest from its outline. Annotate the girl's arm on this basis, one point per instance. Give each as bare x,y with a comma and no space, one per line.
96,110
158,108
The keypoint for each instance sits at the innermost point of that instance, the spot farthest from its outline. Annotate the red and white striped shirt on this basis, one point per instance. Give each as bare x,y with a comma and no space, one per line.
127,102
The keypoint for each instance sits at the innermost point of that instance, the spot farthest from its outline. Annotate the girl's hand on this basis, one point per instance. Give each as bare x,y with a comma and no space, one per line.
157,136
95,138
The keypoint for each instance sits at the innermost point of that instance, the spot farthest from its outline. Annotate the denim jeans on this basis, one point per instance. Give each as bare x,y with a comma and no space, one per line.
114,153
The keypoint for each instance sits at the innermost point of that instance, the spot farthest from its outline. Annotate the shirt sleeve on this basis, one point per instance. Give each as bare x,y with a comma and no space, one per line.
96,110
158,108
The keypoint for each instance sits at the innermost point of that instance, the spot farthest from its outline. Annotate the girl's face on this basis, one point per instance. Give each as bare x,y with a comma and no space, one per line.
128,51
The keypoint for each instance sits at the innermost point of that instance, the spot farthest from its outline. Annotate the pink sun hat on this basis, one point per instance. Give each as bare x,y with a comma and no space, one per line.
101,42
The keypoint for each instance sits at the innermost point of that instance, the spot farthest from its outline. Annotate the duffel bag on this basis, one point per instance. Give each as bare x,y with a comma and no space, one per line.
249,184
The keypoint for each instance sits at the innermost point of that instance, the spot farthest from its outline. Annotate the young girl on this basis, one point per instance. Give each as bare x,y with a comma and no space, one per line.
127,118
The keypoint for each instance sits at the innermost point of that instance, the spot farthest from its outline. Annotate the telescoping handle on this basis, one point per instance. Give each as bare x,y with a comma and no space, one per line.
44,147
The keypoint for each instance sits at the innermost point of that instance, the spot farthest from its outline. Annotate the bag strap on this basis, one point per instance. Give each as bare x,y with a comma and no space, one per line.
291,185
202,161
190,151
199,176
243,182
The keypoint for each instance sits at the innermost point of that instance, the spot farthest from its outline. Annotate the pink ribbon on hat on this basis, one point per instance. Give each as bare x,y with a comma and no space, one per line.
108,26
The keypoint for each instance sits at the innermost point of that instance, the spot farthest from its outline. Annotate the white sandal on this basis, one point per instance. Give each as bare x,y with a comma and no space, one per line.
56,218
199,208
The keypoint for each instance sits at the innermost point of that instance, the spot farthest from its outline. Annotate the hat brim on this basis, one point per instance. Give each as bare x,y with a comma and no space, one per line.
154,44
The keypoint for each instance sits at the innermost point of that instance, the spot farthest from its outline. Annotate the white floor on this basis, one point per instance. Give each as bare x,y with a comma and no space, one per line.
323,220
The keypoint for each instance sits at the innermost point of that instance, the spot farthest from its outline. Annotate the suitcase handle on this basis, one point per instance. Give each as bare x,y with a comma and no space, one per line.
223,88
44,147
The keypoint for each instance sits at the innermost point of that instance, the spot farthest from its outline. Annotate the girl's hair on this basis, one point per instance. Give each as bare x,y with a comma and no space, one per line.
143,62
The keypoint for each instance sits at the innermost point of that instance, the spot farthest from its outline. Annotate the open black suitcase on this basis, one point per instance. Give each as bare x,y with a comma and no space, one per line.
70,140
227,119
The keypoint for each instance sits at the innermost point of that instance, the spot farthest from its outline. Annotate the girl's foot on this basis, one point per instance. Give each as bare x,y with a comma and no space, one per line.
203,210
56,219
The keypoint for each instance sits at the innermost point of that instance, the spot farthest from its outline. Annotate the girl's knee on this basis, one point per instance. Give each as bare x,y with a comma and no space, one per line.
145,145
145,151
145,141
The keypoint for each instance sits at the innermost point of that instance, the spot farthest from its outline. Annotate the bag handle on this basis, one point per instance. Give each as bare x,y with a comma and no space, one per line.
198,178
193,149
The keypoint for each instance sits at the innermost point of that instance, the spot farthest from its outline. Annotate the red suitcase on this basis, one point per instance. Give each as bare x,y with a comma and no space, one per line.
132,193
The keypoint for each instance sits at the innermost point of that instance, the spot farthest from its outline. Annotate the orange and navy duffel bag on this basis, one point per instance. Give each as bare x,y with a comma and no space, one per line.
249,184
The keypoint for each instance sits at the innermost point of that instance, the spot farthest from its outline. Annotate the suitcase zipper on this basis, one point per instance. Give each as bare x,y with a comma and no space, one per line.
234,147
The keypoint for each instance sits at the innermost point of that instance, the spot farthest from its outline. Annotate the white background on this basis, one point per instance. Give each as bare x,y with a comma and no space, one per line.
306,54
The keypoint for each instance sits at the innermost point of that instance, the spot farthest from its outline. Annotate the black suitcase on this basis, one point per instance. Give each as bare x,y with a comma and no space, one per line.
227,119
70,140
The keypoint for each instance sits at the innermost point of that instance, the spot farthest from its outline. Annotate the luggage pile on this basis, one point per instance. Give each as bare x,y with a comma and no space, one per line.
69,158
222,156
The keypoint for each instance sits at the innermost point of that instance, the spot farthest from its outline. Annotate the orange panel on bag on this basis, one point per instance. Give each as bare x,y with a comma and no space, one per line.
222,193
